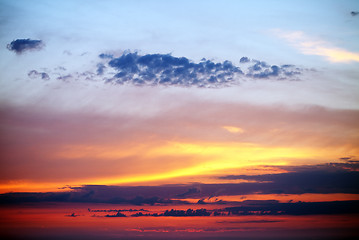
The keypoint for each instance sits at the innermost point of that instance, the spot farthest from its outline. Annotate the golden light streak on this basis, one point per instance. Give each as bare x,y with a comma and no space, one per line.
310,46
190,159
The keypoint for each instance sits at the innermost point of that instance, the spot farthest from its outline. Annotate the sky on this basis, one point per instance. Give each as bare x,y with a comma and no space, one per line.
167,104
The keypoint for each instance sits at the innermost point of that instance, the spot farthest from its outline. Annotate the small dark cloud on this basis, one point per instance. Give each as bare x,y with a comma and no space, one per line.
105,55
354,13
35,74
72,215
65,78
22,45
244,60
118,214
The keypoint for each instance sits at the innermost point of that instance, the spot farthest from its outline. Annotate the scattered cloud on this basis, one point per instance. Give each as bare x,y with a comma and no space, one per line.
22,45
165,69
35,74
309,46
258,208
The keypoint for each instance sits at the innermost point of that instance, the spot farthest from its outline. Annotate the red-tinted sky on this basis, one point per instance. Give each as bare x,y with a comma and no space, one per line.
249,108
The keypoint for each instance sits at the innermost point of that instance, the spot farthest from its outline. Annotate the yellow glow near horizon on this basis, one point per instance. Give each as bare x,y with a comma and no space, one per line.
195,159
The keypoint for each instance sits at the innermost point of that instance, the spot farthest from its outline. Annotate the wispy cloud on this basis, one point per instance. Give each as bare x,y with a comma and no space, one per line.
312,46
232,129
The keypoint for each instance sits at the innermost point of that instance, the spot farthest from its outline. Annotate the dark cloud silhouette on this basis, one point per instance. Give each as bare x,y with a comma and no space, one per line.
272,207
72,215
35,74
329,178
22,45
187,213
354,13
118,214
91,194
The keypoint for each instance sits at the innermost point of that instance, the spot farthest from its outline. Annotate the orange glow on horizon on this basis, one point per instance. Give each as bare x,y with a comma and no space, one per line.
197,159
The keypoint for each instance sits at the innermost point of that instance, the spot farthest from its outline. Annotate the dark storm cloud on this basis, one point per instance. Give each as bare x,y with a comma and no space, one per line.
21,45
35,74
165,69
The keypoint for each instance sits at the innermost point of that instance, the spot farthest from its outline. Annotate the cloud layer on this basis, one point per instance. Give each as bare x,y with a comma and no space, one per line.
319,179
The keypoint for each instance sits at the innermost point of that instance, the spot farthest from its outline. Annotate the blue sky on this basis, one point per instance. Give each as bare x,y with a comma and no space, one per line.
270,31
303,59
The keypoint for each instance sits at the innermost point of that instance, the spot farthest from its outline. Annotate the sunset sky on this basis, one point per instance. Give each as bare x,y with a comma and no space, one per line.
166,104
